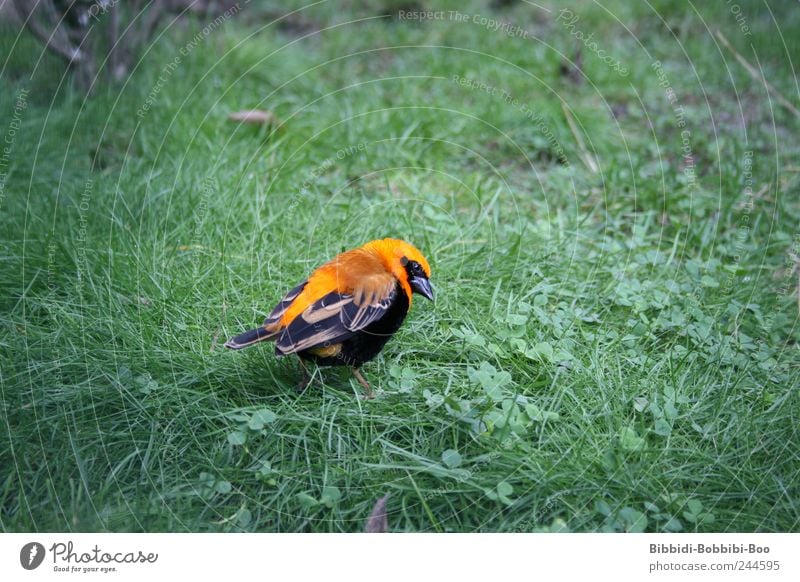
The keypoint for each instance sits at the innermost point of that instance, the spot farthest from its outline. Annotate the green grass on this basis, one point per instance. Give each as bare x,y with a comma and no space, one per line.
611,350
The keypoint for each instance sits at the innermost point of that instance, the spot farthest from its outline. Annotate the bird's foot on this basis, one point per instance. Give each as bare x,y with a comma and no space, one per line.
305,378
369,394
302,385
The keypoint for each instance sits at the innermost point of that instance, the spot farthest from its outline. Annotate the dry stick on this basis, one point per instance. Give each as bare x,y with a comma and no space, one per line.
758,76
149,24
55,20
144,20
113,39
587,158
58,45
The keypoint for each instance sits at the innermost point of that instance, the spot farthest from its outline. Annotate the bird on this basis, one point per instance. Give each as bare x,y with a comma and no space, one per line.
347,309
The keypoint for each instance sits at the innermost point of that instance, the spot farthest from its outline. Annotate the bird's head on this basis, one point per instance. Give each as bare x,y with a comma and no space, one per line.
406,263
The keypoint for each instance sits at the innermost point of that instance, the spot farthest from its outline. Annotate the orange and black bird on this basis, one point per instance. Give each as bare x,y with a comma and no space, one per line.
348,308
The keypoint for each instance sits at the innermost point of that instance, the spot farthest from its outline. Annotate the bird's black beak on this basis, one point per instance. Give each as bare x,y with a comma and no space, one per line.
422,286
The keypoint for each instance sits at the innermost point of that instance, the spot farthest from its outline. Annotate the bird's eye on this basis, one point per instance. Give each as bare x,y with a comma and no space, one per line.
414,268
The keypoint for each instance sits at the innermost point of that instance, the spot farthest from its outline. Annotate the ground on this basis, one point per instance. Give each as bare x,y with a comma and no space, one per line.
608,201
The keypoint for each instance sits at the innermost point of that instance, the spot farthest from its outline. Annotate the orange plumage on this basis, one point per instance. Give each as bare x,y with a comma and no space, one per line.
348,308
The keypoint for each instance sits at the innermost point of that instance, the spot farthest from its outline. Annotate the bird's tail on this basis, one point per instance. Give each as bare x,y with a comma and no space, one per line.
249,338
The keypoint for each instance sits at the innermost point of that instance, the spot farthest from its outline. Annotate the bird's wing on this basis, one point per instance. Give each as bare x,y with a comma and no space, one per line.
273,320
338,316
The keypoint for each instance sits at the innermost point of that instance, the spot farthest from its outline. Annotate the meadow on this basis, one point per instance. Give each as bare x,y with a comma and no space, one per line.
608,200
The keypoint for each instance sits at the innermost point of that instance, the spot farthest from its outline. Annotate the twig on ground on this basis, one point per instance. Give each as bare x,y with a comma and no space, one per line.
758,76
586,156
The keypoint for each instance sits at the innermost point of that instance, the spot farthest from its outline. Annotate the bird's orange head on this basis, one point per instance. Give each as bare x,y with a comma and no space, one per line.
406,263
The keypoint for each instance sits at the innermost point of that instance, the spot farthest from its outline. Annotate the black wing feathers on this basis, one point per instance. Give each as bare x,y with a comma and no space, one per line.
271,325
276,314
248,338
331,320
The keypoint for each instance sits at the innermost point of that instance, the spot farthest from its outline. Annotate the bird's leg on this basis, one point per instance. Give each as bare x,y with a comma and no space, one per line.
304,377
369,394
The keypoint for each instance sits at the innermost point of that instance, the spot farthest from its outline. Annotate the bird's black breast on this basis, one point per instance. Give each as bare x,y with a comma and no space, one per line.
367,343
